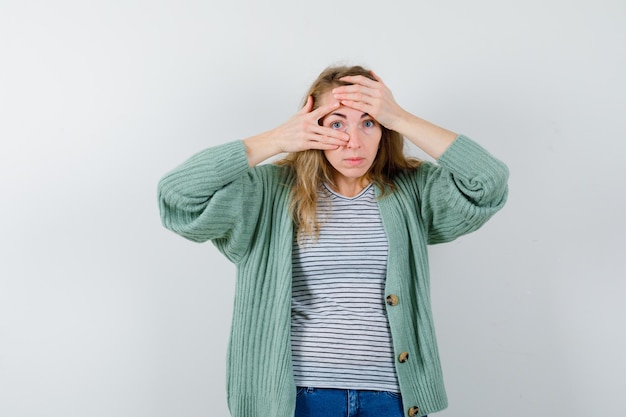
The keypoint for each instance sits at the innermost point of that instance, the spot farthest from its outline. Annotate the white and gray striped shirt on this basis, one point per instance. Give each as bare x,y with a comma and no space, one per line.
339,329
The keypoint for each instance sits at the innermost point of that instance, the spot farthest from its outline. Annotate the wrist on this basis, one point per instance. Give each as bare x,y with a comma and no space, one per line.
261,147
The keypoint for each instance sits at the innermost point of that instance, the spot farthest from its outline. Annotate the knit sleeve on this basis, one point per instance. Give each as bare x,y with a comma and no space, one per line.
463,191
213,196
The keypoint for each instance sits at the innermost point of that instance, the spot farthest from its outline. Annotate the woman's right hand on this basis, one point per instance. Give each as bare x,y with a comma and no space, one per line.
300,133
303,131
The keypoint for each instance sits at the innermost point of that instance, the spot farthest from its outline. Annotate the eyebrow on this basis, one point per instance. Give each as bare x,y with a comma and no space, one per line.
364,115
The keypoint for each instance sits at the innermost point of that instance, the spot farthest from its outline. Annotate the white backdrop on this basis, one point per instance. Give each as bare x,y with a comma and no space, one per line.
105,313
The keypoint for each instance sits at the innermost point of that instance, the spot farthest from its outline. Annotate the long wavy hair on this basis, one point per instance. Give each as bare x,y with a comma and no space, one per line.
312,169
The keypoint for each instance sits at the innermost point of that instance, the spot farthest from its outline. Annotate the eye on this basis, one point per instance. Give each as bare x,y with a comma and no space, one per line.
336,125
369,123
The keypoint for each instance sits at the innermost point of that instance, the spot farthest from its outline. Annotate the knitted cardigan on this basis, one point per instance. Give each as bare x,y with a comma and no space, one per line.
216,196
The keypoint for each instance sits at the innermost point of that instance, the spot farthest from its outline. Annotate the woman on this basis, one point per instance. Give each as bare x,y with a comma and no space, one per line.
332,307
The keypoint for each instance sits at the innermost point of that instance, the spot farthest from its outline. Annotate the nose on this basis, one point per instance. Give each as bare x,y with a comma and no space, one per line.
355,137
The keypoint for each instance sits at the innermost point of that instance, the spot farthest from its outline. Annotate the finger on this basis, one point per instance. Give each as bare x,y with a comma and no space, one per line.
361,97
322,111
360,80
322,146
359,105
355,88
378,79
333,135
358,95
366,95
308,106
324,143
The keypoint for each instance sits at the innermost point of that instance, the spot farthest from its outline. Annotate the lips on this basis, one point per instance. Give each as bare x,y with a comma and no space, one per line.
354,160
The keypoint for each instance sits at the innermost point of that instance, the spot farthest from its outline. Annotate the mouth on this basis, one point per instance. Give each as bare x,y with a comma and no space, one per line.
354,161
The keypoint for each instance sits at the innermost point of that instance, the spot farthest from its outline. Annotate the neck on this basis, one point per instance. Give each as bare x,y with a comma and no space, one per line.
350,187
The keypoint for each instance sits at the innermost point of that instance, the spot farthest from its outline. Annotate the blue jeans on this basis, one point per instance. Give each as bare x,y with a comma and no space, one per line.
325,402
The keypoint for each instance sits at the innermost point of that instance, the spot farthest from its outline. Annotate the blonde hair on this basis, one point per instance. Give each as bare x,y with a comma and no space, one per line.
312,169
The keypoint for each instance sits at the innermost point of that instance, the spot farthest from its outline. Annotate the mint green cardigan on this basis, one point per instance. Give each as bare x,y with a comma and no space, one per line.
216,196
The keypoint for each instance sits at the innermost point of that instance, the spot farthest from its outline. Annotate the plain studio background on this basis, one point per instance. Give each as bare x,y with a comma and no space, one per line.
105,313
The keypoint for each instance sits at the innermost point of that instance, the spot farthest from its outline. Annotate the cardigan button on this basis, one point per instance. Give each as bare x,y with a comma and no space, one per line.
403,357
413,411
392,300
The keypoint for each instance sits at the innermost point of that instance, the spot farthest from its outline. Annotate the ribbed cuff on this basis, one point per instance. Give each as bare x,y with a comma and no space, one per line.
468,160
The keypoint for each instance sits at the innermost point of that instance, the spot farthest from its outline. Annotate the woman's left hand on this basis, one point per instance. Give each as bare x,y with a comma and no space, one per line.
371,97
374,98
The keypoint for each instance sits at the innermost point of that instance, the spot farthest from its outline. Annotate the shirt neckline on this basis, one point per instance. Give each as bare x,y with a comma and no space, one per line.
343,197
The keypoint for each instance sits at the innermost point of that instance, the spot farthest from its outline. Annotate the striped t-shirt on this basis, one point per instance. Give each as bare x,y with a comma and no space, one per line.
339,329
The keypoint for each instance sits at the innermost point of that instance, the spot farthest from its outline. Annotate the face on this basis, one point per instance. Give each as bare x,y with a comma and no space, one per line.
353,161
